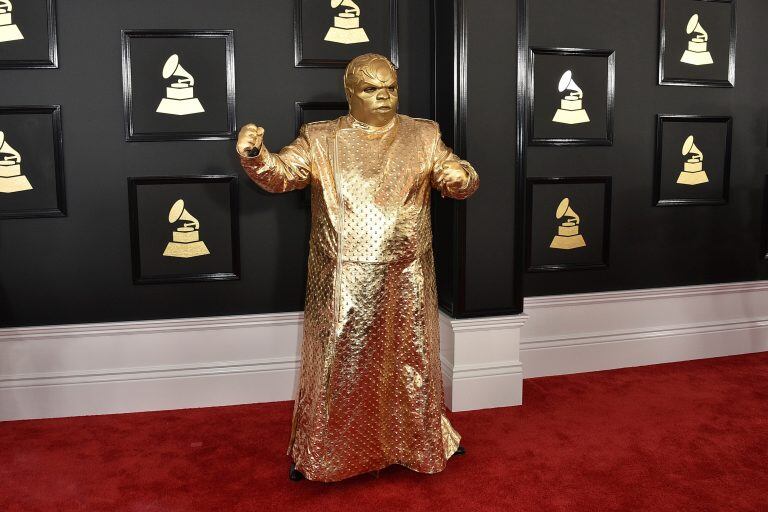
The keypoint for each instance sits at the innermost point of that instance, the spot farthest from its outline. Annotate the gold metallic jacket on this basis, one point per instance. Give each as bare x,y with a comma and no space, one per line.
371,391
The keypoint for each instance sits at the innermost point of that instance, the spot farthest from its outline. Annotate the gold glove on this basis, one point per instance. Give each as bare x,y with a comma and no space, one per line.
453,176
249,140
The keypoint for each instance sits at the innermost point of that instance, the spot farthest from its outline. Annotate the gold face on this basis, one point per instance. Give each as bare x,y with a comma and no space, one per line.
373,97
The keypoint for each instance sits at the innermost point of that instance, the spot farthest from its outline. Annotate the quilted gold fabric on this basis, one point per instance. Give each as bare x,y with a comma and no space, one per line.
370,392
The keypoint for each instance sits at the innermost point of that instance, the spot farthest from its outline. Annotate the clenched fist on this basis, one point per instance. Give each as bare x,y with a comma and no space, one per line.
452,175
249,139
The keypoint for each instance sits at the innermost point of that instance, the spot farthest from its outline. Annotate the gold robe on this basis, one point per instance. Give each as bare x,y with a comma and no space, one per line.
371,391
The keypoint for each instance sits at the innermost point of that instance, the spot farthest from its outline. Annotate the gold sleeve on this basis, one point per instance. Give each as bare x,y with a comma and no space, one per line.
443,156
287,170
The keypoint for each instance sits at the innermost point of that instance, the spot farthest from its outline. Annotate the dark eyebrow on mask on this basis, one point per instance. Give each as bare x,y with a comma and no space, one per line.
367,84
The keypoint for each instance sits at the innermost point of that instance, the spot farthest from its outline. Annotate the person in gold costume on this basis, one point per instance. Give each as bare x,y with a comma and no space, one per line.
370,391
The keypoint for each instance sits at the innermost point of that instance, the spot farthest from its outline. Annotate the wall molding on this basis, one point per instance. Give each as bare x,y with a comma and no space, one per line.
600,331
532,303
103,368
72,370
481,361
119,367
148,372
149,326
593,338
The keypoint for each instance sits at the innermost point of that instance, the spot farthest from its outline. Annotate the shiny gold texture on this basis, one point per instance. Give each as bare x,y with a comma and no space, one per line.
370,392
370,84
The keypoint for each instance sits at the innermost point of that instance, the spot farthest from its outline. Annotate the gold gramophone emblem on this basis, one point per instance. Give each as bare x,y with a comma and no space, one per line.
346,27
571,109
11,179
693,168
180,95
696,54
8,30
568,236
186,241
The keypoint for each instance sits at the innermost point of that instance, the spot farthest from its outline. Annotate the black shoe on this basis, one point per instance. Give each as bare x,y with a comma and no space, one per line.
459,451
294,474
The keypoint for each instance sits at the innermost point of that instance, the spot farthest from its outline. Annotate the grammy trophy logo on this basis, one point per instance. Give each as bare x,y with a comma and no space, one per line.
180,95
568,236
571,110
696,54
186,241
693,168
11,179
346,27
8,31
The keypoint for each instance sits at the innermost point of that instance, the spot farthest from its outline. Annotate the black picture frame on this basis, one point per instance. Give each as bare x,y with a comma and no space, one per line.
659,198
139,276
603,140
56,157
51,59
132,134
728,77
301,107
301,61
604,250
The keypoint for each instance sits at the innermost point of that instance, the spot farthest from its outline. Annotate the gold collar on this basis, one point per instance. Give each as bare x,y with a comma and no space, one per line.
369,128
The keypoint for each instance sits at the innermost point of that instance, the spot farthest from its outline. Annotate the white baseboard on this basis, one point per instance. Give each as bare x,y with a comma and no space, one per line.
600,331
481,361
74,370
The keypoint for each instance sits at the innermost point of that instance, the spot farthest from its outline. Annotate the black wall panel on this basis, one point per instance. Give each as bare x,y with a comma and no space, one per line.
78,268
491,131
660,246
459,62
478,101
446,214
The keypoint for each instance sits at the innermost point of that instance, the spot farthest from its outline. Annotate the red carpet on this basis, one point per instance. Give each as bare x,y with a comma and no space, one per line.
678,437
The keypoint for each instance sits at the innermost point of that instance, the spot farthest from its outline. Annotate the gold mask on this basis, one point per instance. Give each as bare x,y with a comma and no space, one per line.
370,83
